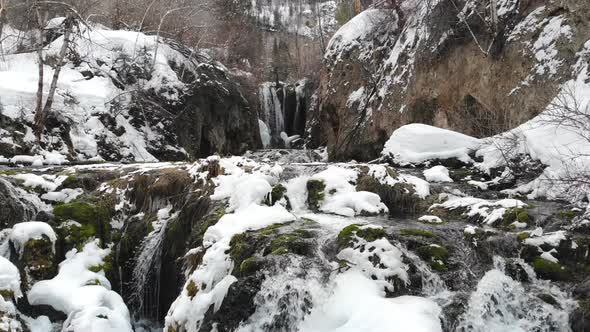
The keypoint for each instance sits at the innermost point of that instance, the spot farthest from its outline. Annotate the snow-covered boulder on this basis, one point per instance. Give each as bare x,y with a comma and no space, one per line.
82,291
34,242
417,143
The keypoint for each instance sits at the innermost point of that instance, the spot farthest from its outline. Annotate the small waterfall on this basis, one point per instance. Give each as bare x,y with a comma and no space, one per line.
5,243
272,110
283,110
147,269
286,295
502,304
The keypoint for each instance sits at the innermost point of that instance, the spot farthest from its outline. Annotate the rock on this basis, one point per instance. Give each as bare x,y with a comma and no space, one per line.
389,77
14,206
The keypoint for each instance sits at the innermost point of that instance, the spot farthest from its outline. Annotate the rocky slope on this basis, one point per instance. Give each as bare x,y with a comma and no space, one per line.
445,63
124,96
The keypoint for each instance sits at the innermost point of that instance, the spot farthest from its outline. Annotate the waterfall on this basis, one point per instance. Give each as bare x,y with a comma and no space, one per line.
147,269
283,110
500,303
272,110
286,295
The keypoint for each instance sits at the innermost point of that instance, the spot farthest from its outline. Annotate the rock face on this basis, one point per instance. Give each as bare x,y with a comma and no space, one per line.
436,68
127,96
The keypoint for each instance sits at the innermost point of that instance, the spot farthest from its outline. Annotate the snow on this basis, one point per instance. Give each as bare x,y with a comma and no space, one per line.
488,211
9,277
356,30
359,304
65,195
82,101
341,196
85,296
417,143
30,230
361,256
538,238
437,174
430,219
45,182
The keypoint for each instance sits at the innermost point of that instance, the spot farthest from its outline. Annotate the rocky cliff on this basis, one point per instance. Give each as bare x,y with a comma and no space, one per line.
446,63
124,96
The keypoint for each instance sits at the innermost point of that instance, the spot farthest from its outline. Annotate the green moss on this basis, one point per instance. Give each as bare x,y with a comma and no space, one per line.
417,232
568,215
546,269
277,193
289,243
249,265
192,289
304,233
93,282
238,247
523,236
39,258
309,222
7,294
71,182
517,214
7,172
348,233
268,230
435,255
315,194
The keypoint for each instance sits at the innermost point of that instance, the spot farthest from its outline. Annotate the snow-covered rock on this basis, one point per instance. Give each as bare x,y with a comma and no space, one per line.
437,174
383,72
124,96
31,230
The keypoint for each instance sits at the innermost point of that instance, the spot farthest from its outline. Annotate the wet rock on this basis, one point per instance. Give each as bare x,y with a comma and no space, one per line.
14,208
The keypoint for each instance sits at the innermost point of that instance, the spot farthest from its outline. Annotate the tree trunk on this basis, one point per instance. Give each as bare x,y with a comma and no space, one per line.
39,121
68,25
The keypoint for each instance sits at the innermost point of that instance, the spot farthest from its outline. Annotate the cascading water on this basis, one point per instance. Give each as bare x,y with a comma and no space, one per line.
147,269
283,111
272,110
501,303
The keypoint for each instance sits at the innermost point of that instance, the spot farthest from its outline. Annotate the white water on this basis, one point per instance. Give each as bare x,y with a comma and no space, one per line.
146,272
502,304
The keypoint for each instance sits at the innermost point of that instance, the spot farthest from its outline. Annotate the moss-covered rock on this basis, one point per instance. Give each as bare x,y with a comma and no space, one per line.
277,193
435,255
38,259
315,194
400,198
250,265
81,221
291,243
520,215
347,235
546,269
